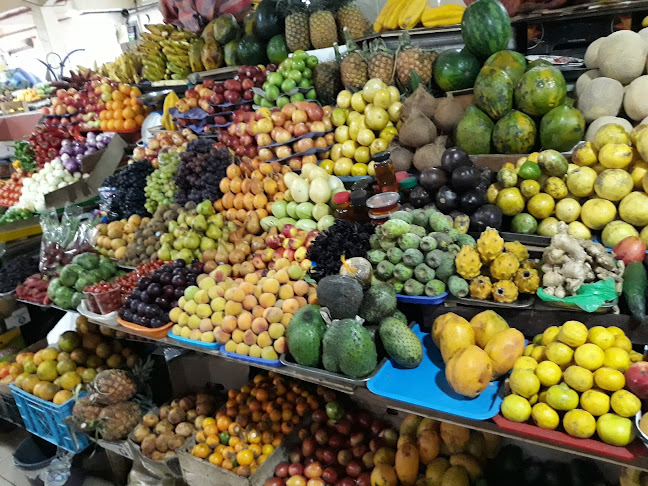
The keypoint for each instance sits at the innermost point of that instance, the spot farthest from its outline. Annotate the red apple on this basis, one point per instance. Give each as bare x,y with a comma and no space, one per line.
630,249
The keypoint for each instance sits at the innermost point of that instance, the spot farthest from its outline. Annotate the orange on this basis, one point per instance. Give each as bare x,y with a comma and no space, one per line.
256,449
117,96
109,105
138,109
211,429
139,119
227,464
102,115
117,115
223,423
216,459
245,458
209,421
135,92
117,105
104,125
111,125
125,89
234,441
200,450
130,125
119,124
128,113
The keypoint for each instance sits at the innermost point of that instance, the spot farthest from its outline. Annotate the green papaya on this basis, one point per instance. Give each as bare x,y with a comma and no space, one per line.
474,131
225,29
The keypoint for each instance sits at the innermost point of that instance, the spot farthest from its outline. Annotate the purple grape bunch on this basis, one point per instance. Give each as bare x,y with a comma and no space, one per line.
201,169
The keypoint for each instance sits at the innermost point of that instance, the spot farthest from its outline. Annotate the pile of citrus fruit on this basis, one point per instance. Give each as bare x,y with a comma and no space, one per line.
123,111
575,376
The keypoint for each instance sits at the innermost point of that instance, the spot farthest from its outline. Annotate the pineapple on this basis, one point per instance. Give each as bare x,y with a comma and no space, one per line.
323,29
381,62
353,67
352,18
112,386
85,411
297,32
327,82
117,420
413,60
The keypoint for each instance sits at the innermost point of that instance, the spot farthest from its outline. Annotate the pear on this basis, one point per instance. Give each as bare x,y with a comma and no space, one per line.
217,219
199,223
174,254
178,244
164,253
189,220
173,225
213,231
186,255
181,218
205,208
191,241
207,243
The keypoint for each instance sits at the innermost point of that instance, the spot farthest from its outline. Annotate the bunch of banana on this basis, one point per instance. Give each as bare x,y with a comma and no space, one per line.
126,68
169,102
176,49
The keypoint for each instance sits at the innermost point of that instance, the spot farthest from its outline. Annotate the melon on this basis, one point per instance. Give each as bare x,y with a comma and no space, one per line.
601,97
585,79
591,54
622,56
606,120
644,34
635,101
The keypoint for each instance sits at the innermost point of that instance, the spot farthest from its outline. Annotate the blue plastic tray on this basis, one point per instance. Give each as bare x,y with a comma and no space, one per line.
193,342
46,420
275,363
426,386
421,299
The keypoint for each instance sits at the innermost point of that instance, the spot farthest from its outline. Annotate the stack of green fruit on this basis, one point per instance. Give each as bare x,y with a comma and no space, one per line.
196,229
160,185
12,215
291,82
415,252
348,345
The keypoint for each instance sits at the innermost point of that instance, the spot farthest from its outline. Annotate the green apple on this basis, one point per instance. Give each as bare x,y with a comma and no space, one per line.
291,209
305,210
320,210
279,209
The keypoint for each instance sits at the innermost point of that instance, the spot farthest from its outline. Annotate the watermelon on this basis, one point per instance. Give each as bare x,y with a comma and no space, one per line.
511,62
456,69
486,28
493,92
540,90
473,132
514,133
562,128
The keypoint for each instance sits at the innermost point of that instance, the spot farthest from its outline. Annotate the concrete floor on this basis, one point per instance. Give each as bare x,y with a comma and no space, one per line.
10,475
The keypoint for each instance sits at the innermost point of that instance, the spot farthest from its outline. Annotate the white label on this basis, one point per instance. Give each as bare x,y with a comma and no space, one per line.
19,317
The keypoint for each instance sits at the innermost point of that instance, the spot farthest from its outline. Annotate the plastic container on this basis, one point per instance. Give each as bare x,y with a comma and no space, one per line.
47,420
385,175
192,342
342,208
149,332
421,299
275,363
91,302
109,300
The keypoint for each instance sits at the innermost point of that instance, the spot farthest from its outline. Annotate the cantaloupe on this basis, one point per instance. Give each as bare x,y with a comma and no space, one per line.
644,34
635,101
601,97
622,56
585,79
591,54
605,120
644,121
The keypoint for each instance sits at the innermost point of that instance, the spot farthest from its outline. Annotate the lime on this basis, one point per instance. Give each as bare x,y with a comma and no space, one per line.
544,416
529,170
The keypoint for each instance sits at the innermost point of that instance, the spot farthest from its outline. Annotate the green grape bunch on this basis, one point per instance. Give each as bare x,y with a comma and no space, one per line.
160,186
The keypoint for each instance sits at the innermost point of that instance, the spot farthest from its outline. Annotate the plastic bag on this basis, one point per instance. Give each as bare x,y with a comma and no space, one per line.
589,297
109,203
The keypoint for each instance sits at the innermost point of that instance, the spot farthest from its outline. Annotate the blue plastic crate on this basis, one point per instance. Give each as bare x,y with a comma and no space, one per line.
47,420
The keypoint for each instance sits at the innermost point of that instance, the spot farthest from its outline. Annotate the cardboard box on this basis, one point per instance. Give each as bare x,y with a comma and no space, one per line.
99,165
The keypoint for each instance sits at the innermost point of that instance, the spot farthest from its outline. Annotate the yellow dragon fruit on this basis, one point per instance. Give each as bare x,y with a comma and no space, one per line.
480,287
490,244
504,266
505,291
467,262
517,249
527,280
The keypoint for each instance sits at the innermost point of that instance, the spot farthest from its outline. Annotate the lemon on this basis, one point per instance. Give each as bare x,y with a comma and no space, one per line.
524,382
615,430
573,333
559,353
327,165
556,188
371,170
549,373
516,409
589,356
541,205
625,403
579,423
359,169
544,416
529,349
542,397
539,353
580,379
530,188
617,359
595,402
343,166
609,379
621,341
362,156
533,400
549,335
525,363
561,397
568,210
600,336
616,331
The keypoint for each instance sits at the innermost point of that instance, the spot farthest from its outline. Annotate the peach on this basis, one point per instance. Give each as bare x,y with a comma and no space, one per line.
276,330
280,345
291,305
253,278
279,304
216,292
174,314
285,320
259,325
218,304
257,292
183,319
300,287
185,332
237,336
235,294
207,337
258,311
267,300
206,325
249,337
203,310
229,324
249,302
195,334
230,347
245,321
264,340
286,291
255,351
242,348
202,297
221,336
270,286
194,322
217,318
181,302
302,300
273,315
233,308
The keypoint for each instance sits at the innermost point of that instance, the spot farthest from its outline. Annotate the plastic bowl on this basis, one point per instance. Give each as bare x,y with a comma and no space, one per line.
109,300
91,303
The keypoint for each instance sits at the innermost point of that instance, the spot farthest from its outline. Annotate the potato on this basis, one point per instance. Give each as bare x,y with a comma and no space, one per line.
191,415
150,420
141,432
186,403
205,408
163,426
148,445
176,415
184,429
175,442
161,443
164,411
158,456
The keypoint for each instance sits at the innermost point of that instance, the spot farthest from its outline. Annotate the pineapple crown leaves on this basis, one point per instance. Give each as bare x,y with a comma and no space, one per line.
289,7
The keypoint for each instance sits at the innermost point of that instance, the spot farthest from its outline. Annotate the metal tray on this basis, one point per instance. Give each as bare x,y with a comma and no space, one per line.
329,376
29,302
524,301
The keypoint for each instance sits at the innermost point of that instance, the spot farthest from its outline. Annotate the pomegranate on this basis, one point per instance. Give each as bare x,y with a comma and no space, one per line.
630,249
637,379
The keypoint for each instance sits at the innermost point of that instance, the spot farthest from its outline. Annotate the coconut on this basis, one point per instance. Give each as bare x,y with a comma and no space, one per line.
418,130
430,155
635,101
448,113
601,97
606,120
421,100
400,156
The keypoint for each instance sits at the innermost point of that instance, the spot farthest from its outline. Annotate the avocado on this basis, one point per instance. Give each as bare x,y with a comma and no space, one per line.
304,335
379,302
341,295
400,342
357,351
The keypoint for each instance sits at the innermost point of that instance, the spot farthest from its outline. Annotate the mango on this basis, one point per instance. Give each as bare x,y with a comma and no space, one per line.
504,348
428,445
409,425
485,325
469,463
427,424
469,371
455,436
439,324
407,464
491,444
435,470
383,475
455,476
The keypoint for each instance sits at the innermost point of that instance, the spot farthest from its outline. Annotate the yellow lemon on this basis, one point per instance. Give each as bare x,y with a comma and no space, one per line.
542,397
561,397
616,331
600,336
549,373
529,349
609,379
573,333
617,359
636,357
524,382
621,341
525,363
615,430
533,400
544,416
579,423
516,409
539,353
625,403
580,379
359,169
550,335
541,205
559,353
595,402
529,188
589,356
